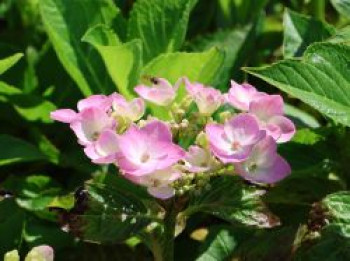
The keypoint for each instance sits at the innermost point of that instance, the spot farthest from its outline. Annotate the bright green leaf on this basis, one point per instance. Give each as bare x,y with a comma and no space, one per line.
201,67
8,62
321,79
66,22
123,61
342,6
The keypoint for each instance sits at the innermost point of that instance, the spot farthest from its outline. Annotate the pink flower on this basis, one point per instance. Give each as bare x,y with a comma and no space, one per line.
208,99
94,101
199,160
147,149
264,164
158,182
104,150
131,111
161,92
233,141
241,95
269,111
90,124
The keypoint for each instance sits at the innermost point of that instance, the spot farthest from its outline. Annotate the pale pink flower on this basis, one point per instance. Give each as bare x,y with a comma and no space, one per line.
158,183
198,159
91,123
130,110
104,150
207,99
264,165
233,141
241,95
161,92
269,111
94,101
147,149
43,253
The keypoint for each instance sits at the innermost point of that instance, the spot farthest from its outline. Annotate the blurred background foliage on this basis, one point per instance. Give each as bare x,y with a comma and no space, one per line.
41,165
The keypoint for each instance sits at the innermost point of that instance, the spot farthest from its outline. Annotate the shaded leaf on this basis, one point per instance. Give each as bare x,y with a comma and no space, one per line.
300,31
160,24
342,6
231,200
14,150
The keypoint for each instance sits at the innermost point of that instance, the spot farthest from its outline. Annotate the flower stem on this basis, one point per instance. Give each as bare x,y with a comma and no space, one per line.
317,9
169,233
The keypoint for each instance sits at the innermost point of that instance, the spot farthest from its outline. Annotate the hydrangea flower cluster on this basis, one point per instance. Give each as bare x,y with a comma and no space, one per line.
151,152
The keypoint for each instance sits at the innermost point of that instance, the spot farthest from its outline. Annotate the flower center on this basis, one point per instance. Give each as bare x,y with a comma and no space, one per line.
235,146
252,167
145,157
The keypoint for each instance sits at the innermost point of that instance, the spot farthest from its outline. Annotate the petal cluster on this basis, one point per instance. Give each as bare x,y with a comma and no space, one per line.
152,152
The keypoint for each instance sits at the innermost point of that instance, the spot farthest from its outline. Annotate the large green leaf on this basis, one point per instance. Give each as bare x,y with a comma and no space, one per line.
321,79
66,22
160,24
8,62
13,150
123,61
342,6
300,31
231,200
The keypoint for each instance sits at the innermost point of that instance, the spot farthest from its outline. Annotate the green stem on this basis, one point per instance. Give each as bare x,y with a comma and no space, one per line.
317,9
169,233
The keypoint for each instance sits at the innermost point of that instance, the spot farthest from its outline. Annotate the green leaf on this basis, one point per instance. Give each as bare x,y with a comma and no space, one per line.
300,31
229,199
342,6
30,107
33,193
234,43
14,150
160,24
112,213
320,79
123,61
66,22
201,67
338,207
8,62
218,245
11,224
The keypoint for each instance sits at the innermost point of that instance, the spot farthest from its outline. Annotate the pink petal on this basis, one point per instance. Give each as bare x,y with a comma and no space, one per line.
64,115
244,128
266,107
240,96
286,128
161,192
46,252
158,130
96,101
